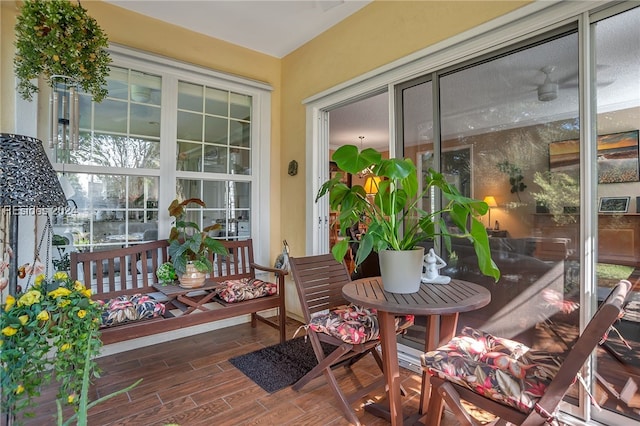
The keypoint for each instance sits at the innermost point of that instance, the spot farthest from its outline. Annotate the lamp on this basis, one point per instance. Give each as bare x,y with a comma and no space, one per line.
27,183
491,202
371,185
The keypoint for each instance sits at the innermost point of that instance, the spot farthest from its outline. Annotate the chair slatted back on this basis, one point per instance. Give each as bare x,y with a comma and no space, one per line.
239,263
607,314
119,270
319,280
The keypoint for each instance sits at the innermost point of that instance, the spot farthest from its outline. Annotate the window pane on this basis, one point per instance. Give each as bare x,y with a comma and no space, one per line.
240,106
145,120
189,156
117,83
145,88
187,188
215,159
111,116
240,161
116,151
189,96
216,130
189,126
111,210
107,128
240,134
228,204
217,102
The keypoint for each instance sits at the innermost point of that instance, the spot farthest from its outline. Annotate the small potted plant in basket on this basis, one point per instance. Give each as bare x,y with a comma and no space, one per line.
190,247
395,220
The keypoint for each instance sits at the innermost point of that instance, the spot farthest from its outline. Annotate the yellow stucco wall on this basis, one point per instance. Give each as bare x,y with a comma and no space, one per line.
376,35
379,33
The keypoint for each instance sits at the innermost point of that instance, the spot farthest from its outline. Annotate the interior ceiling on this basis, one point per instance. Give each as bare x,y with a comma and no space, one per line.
273,27
503,93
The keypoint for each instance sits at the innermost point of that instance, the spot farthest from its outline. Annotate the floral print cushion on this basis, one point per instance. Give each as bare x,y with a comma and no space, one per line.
232,291
129,308
500,369
354,324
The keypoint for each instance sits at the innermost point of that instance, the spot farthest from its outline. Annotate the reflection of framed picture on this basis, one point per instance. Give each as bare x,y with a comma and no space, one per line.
614,204
333,171
617,157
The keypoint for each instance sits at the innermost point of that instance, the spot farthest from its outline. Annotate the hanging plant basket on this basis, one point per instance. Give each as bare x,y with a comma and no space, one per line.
57,37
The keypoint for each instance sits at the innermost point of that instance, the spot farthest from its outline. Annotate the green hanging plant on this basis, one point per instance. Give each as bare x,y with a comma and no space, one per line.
56,37
516,179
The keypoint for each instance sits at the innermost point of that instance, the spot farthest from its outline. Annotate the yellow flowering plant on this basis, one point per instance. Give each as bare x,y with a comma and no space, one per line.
44,333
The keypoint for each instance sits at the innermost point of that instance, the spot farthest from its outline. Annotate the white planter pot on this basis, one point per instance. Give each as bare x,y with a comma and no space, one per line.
401,271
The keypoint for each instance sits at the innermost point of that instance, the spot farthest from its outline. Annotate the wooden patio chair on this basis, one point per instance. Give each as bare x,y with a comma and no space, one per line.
319,281
518,385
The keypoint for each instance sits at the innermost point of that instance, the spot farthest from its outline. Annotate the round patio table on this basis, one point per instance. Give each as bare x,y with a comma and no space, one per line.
440,303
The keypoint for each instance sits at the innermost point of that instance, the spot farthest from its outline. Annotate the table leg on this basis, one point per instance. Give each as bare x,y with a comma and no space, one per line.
193,305
439,331
390,362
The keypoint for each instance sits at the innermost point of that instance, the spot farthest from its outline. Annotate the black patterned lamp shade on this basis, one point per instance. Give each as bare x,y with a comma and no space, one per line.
26,176
27,180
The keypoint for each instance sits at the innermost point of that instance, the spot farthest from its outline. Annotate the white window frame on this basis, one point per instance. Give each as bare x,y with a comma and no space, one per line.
171,71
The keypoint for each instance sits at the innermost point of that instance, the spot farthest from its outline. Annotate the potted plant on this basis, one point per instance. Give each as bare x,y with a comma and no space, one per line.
395,220
59,38
47,332
190,247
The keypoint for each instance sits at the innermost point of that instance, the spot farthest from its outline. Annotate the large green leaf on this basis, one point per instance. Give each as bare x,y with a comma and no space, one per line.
483,251
349,159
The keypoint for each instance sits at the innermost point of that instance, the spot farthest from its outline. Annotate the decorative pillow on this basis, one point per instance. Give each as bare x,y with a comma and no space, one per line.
232,291
354,324
501,369
124,309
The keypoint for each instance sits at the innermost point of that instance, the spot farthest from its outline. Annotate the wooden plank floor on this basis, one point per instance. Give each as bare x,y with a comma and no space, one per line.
190,381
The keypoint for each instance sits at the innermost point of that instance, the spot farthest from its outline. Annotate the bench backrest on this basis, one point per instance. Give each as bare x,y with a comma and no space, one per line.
119,271
238,264
111,273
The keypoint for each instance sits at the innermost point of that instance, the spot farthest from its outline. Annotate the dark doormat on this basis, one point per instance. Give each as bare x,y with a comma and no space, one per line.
278,366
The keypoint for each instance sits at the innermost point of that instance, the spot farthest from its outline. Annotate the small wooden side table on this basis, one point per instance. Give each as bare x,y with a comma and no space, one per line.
179,296
439,302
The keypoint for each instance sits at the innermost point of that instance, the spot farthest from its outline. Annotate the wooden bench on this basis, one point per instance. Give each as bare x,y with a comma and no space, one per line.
131,270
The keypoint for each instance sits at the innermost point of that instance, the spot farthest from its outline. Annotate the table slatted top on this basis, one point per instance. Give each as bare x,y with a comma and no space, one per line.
431,299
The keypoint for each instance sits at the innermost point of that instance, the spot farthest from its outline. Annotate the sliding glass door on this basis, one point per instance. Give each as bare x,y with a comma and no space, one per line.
506,128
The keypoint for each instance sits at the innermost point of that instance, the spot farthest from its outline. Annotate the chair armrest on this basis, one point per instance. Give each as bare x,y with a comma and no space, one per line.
270,269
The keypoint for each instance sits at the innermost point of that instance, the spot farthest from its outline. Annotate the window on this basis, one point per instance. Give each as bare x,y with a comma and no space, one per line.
164,131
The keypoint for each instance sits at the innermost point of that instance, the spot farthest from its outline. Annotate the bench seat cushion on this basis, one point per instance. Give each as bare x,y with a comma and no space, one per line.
500,369
127,308
232,291
354,324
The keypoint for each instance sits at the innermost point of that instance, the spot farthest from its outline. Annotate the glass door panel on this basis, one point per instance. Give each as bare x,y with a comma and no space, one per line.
617,88
416,100
504,117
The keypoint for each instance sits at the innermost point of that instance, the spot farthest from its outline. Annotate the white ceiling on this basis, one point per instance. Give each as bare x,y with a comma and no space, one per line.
273,27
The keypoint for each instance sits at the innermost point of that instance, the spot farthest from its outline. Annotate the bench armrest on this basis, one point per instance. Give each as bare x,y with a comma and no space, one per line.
270,269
